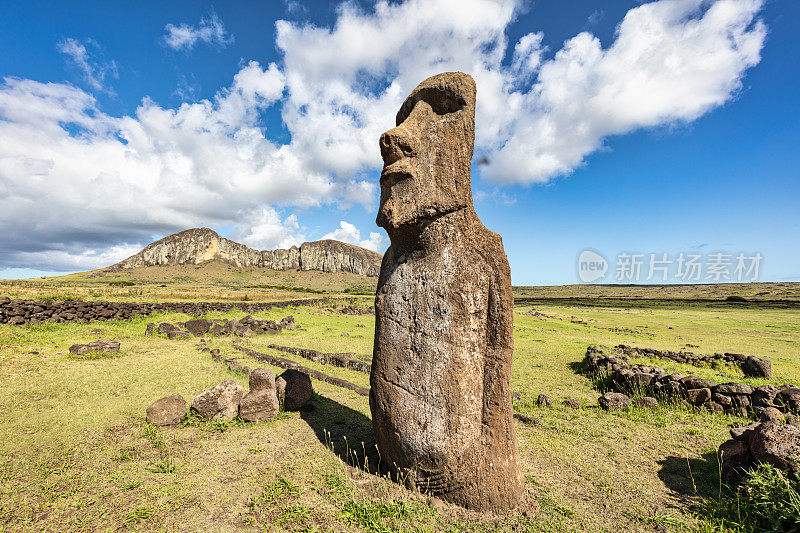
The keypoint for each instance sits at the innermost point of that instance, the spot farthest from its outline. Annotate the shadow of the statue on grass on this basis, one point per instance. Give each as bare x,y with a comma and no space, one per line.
346,432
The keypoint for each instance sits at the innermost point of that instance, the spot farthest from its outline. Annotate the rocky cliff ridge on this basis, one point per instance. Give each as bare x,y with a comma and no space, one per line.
198,245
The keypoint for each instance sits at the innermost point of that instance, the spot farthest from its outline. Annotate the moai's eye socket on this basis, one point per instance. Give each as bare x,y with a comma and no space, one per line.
441,101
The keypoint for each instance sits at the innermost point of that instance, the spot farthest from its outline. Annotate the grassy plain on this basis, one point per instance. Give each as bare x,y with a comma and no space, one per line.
76,453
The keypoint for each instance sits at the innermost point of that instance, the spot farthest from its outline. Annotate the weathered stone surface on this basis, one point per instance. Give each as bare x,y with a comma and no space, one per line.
614,401
165,328
698,396
790,397
735,459
722,399
765,395
543,401
647,402
734,388
198,245
293,389
572,403
758,368
198,327
694,382
776,444
101,345
440,393
220,402
167,411
769,414
261,403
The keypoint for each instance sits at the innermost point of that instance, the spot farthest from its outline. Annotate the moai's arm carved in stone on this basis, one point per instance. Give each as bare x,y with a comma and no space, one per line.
440,399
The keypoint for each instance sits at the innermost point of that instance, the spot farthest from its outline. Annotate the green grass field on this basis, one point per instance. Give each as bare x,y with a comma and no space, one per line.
76,453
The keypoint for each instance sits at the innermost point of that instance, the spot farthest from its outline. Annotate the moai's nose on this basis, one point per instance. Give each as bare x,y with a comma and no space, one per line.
396,144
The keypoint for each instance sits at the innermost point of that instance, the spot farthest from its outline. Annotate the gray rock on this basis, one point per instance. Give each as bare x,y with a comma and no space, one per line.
101,345
261,403
758,368
572,403
698,396
769,414
165,328
776,444
647,402
790,398
167,411
198,327
722,399
735,459
220,402
544,401
765,395
742,432
293,389
614,401
733,388
695,382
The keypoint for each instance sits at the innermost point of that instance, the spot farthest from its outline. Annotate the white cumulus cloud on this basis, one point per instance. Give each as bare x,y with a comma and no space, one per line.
347,232
269,232
184,36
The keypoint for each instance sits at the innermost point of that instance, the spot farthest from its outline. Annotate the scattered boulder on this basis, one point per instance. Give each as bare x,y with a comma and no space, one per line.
573,403
165,328
102,345
293,389
220,402
614,401
198,327
648,402
261,403
757,368
544,401
765,442
167,411
776,444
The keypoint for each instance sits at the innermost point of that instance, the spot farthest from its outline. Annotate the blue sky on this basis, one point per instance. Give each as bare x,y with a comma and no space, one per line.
666,127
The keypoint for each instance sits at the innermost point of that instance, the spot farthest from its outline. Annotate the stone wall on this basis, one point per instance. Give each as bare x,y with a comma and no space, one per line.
19,312
751,366
765,402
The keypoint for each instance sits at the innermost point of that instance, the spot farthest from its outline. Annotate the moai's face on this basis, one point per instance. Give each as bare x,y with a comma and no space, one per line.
427,157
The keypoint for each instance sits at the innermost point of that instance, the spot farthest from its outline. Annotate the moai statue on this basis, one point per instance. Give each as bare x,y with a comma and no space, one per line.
441,370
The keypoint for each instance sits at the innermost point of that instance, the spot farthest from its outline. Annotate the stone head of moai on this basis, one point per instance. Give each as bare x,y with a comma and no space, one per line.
427,156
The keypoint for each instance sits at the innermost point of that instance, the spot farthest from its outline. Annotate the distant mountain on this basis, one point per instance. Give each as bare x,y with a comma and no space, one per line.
198,245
